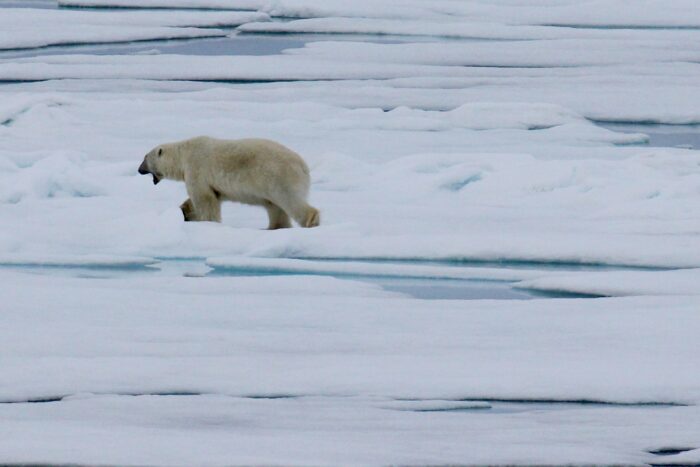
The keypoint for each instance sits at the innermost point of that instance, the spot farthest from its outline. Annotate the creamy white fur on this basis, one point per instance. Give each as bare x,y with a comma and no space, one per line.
259,172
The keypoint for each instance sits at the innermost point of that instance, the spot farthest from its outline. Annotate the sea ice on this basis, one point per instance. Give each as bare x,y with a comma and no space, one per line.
445,158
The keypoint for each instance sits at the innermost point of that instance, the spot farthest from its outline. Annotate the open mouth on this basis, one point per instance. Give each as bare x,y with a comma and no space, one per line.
156,179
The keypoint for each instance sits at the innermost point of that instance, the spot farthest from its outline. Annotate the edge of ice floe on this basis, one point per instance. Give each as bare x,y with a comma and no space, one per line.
604,283
366,268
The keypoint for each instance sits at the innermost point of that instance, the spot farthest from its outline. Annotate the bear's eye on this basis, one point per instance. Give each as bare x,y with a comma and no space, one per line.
160,152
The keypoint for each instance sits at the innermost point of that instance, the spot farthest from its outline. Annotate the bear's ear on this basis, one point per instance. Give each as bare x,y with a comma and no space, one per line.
160,152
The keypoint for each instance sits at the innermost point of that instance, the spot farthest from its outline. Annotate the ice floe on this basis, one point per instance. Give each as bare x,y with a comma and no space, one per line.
474,183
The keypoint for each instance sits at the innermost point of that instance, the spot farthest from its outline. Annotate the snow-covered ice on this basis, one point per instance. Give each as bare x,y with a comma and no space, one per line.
463,145
126,360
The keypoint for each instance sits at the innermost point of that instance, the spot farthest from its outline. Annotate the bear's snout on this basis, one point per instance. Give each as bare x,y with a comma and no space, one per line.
143,168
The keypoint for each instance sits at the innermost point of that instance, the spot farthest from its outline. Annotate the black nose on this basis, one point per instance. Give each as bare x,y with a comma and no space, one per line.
143,169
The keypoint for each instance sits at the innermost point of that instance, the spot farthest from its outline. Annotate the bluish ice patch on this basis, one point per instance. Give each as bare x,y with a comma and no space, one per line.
171,393
416,287
427,288
458,185
421,288
633,27
571,403
235,44
660,135
456,289
493,406
103,271
669,451
43,4
536,406
435,405
451,289
505,263
514,406
151,8
169,268
498,408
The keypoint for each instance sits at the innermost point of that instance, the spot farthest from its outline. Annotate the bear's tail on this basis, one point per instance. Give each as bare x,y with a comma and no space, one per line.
312,218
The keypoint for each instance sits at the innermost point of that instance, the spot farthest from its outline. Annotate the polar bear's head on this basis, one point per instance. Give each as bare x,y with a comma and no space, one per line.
161,162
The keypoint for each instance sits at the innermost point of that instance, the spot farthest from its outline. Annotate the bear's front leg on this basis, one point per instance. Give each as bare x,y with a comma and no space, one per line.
205,202
206,207
187,210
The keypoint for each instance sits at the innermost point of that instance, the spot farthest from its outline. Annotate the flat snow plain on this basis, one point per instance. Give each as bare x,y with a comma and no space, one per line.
461,141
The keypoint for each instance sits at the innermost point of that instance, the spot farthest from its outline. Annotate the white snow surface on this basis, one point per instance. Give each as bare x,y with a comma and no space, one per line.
325,376
129,337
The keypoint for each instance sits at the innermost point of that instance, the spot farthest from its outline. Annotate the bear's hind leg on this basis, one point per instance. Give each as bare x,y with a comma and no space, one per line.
305,214
312,217
278,218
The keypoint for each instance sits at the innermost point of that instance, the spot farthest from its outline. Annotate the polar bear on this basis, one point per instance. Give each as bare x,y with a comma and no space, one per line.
259,172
